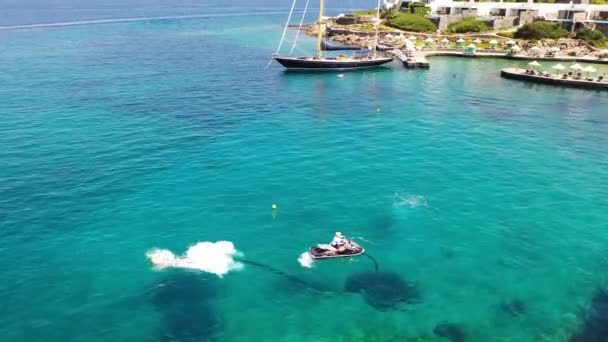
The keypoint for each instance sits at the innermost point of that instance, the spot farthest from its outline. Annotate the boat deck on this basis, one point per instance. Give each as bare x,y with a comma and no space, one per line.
520,74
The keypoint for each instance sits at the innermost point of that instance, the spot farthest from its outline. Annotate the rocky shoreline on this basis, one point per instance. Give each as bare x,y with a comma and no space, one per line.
345,34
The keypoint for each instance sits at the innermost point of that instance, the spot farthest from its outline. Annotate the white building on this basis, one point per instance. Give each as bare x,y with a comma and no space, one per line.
577,11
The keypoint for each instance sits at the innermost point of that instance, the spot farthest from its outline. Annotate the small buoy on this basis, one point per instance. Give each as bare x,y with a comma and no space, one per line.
377,110
274,206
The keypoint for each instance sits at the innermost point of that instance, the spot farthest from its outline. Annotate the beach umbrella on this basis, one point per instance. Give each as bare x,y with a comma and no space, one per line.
412,38
534,63
429,40
445,40
460,40
493,42
510,42
589,69
576,66
559,67
516,48
477,41
535,48
471,46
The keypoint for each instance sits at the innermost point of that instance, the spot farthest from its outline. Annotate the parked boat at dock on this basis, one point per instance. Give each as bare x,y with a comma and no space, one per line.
339,63
560,80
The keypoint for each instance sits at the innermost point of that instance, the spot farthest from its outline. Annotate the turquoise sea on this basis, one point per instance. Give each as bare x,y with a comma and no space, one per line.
483,200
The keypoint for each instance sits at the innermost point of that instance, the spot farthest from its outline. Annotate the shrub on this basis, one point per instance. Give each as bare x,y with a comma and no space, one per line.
589,35
594,37
413,22
363,13
419,8
540,30
468,25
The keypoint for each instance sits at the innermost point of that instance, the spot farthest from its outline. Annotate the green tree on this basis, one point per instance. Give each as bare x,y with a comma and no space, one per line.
540,30
388,14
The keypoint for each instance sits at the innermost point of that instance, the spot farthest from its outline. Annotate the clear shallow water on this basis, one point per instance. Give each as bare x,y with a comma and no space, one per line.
121,137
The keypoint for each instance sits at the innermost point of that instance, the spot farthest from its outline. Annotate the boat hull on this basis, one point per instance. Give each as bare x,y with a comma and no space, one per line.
309,64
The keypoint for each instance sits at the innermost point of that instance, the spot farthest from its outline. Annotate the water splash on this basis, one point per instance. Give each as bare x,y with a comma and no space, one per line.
411,201
210,257
306,260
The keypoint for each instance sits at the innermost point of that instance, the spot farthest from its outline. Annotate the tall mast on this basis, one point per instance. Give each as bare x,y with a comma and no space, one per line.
320,33
377,27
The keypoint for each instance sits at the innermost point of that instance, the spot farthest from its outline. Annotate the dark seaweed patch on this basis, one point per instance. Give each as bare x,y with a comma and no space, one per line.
514,308
383,290
451,331
183,299
595,328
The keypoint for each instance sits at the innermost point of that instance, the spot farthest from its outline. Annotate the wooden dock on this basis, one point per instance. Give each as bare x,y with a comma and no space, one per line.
520,74
413,60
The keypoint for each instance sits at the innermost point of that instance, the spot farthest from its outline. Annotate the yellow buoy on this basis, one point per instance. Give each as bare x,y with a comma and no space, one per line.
274,206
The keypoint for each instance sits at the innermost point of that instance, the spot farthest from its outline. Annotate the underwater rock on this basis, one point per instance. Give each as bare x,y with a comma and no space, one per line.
183,299
383,290
514,308
451,331
595,328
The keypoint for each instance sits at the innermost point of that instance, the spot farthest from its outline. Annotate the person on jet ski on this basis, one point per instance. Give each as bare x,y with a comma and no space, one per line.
339,242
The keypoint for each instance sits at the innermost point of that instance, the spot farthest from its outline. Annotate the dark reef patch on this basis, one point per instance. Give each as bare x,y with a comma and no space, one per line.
183,299
514,308
451,331
595,328
383,290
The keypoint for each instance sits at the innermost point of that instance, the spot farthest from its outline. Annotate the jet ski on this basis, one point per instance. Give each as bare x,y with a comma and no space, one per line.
323,251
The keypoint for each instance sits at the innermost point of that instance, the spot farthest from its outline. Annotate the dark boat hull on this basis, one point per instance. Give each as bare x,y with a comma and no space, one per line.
326,64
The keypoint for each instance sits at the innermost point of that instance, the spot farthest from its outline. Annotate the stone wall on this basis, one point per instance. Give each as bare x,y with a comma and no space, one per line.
443,21
502,23
526,17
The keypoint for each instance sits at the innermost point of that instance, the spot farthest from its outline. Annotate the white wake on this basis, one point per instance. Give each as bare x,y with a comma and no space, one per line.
411,201
306,260
211,257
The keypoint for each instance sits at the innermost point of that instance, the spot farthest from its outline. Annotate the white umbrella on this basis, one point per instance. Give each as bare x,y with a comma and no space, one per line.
535,48
510,42
576,66
589,69
493,41
477,41
429,40
559,67
445,40
516,48
534,63
460,40
471,46
412,38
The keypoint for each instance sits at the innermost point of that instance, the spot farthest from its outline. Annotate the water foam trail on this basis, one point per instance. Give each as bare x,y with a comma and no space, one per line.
411,201
135,19
210,257
306,260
